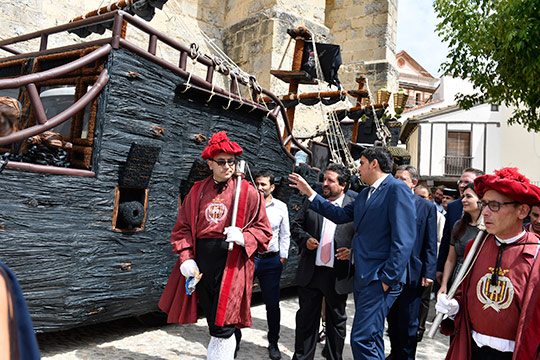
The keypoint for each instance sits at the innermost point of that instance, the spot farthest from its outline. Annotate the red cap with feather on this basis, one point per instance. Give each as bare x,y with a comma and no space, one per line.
219,142
510,182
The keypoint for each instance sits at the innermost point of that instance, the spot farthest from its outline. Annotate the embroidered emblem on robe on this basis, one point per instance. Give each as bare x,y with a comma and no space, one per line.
216,211
497,296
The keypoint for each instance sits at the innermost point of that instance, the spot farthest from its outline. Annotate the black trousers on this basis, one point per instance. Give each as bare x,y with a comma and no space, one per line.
424,309
211,256
268,272
308,316
487,353
403,322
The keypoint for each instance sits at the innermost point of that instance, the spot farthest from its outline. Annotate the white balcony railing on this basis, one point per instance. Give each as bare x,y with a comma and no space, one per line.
454,165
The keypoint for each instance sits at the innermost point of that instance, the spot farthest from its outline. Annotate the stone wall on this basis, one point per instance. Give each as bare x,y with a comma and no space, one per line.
367,32
180,19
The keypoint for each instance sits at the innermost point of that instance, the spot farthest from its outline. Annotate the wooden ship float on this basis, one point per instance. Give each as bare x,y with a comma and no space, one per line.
101,140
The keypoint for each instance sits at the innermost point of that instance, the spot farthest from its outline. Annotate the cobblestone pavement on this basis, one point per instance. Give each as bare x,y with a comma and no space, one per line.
128,339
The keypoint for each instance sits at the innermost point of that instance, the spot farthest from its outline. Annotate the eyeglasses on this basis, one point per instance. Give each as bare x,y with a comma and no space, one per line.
464,182
494,205
222,162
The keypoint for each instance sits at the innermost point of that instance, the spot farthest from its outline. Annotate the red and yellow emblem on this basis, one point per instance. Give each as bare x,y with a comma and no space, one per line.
216,211
497,296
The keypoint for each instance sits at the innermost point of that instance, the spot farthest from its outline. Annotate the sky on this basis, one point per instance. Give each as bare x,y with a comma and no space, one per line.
416,34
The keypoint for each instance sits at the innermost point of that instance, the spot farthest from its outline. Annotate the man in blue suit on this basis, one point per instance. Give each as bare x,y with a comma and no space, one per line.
403,316
384,218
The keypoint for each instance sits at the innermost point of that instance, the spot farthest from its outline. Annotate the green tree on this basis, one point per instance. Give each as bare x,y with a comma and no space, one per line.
496,43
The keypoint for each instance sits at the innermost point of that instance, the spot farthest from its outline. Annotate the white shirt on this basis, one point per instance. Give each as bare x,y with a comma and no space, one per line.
326,222
278,215
378,183
441,219
440,207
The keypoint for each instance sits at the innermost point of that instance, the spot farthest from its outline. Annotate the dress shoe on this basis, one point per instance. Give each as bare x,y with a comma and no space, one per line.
273,351
419,336
324,352
238,337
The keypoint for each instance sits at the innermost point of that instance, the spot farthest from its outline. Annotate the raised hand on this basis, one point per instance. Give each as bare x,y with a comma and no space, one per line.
298,182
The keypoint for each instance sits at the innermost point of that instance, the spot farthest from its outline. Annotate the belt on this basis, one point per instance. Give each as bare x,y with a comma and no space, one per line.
267,255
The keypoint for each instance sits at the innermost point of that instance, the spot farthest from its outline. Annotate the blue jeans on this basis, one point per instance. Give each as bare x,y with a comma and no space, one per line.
372,305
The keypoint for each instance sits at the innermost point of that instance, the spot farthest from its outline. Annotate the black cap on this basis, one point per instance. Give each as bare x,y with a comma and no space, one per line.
451,192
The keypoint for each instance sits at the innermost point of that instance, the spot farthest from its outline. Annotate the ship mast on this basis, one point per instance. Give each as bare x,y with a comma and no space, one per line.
295,76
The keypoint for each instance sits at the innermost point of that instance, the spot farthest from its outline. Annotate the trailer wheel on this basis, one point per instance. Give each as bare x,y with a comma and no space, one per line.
130,214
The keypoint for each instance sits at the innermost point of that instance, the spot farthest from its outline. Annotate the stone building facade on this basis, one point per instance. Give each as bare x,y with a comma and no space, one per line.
251,32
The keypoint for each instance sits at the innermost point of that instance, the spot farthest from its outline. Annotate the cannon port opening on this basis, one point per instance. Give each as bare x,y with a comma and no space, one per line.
130,208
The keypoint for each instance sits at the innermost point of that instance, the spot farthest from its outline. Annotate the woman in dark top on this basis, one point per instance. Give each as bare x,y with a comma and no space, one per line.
17,338
464,231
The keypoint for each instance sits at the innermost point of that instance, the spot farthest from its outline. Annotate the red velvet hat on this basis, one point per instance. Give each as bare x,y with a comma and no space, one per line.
219,142
510,182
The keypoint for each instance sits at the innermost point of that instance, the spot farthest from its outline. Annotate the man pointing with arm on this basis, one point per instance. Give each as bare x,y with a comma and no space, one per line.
384,218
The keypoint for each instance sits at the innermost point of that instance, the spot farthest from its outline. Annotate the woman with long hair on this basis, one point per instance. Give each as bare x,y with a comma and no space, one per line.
464,231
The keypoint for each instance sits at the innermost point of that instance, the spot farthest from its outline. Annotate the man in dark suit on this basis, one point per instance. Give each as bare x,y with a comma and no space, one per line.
323,270
403,316
454,211
385,231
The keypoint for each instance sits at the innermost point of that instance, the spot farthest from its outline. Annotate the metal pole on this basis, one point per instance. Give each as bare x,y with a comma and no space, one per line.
240,170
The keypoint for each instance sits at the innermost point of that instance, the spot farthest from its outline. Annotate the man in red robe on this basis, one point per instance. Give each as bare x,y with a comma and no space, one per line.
496,308
201,238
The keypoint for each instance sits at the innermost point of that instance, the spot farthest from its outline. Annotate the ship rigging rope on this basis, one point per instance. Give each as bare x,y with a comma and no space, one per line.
382,131
285,53
201,37
334,133
224,61
4,159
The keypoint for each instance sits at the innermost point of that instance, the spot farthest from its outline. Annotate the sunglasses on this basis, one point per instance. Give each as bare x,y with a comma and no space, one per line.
222,162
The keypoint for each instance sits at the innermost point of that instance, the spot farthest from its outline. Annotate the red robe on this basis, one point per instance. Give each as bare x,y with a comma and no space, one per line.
527,337
236,285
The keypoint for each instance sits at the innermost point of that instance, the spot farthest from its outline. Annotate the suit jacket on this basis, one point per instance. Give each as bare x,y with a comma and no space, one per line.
385,230
423,260
308,224
454,211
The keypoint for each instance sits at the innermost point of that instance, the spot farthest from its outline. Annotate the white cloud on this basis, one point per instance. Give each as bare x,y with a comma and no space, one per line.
416,34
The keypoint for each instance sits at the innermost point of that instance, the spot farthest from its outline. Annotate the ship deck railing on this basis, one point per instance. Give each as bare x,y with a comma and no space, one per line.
118,39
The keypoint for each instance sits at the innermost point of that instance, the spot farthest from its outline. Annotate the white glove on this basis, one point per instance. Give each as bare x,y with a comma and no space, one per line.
234,234
445,306
189,268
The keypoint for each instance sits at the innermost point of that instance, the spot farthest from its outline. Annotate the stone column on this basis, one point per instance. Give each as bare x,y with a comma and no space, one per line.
366,31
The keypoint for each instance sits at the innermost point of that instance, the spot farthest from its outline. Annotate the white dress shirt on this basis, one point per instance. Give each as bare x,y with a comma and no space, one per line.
378,183
278,215
326,222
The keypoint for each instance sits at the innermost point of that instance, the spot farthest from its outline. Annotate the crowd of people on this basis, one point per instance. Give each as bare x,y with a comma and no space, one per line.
391,245
388,245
